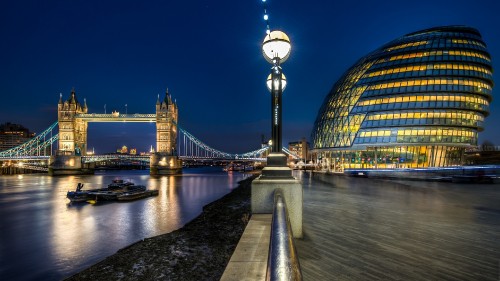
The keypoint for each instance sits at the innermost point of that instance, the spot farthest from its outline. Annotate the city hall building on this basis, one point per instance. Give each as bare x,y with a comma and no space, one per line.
418,101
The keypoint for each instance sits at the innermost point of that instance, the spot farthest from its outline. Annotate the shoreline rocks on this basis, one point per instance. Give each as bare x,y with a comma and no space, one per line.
200,250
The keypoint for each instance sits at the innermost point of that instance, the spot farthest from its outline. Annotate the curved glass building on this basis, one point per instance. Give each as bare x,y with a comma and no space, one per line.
418,101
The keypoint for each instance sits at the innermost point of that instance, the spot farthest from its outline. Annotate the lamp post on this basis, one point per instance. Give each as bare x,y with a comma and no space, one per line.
276,86
277,175
276,49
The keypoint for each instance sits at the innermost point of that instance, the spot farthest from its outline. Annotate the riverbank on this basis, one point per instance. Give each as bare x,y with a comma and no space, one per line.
198,251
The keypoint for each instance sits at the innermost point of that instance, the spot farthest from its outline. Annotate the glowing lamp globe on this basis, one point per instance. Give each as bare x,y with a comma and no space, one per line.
276,84
276,45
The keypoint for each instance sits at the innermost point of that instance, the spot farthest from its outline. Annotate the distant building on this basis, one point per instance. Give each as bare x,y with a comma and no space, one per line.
123,150
12,135
299,148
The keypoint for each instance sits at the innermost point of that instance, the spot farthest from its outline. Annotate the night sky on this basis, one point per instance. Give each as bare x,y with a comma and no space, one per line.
207,53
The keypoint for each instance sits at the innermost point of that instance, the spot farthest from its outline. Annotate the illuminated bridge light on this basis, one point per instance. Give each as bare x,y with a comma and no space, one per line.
418,101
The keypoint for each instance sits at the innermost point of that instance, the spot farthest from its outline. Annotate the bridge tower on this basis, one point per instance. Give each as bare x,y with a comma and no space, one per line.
72,130
165,159
72,138
166,125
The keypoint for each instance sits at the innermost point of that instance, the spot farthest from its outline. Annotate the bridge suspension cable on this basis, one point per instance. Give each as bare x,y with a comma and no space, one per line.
190,146
34,146
293,155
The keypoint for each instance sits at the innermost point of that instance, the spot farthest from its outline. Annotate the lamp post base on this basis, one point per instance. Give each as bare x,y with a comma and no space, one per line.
277,175
276,167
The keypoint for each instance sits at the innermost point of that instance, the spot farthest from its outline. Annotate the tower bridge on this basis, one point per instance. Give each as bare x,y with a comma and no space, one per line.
69,136
74,117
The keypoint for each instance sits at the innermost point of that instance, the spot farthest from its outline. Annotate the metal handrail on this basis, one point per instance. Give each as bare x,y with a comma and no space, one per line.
282,263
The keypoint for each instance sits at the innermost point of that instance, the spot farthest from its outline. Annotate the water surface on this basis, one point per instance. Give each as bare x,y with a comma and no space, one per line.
44,237
375,229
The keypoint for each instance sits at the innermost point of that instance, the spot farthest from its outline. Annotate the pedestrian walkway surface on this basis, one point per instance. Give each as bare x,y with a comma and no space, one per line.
249,260
366,229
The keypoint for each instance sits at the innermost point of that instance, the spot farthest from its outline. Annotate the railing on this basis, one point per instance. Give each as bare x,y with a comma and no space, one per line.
116,116
283,263
96,158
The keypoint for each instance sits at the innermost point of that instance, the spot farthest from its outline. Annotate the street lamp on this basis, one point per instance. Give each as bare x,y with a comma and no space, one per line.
276,45
276,49
270,79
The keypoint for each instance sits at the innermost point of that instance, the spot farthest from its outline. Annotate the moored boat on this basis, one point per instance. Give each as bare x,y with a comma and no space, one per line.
78,195
118,190
133,195
119,184
74,196
104,195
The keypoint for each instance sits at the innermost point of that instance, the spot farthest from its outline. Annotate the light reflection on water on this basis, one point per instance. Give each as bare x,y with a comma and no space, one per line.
43,237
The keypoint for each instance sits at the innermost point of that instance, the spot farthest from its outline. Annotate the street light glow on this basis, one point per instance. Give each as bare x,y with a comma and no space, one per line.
276,45
276,84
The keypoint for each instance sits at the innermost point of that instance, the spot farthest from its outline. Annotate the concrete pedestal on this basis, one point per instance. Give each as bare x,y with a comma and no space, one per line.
276,167
69,165
164,164
276,175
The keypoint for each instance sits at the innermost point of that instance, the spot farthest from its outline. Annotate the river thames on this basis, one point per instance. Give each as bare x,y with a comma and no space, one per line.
378,229
44,237
355,228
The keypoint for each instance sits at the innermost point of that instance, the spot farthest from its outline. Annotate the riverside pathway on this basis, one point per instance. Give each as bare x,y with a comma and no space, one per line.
366,229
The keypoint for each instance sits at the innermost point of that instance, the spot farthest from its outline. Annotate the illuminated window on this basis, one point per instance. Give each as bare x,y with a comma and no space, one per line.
406,45
463,82
469,99
438,53
437,66
464,41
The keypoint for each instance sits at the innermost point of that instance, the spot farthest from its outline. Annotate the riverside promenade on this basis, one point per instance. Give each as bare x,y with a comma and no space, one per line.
373,229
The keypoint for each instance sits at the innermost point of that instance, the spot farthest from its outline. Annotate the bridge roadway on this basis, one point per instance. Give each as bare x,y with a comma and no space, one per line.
370,229
116,117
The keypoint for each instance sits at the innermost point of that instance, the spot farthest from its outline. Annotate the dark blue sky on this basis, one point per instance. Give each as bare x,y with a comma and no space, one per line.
208,54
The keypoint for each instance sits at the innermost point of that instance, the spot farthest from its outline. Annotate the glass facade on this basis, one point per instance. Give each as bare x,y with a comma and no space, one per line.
418,101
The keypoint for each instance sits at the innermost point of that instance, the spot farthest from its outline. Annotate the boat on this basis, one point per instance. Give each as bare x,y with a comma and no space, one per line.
119,184
78,195
112,195
133,195
125,189
103,195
